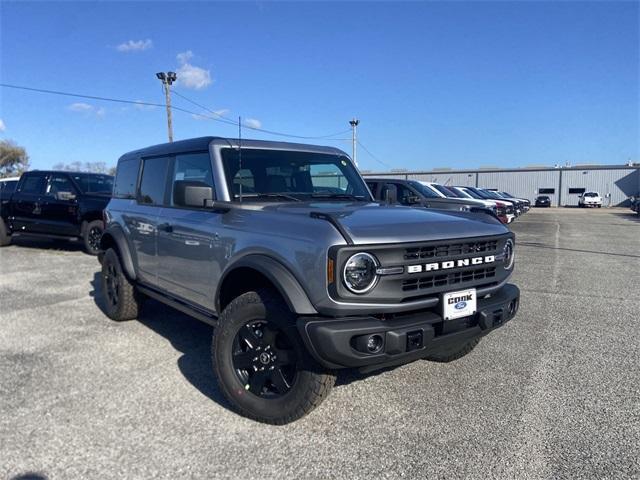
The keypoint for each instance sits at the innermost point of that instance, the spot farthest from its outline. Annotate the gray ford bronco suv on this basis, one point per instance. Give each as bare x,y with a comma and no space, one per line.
283,250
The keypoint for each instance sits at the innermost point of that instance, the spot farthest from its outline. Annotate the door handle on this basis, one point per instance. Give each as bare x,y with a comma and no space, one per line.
165,227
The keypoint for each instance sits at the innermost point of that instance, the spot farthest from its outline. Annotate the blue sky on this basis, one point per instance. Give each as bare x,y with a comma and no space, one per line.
446,84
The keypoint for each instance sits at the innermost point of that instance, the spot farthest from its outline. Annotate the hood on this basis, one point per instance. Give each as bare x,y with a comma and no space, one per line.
380,223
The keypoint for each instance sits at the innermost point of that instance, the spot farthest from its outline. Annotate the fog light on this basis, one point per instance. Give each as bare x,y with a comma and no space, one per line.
374,343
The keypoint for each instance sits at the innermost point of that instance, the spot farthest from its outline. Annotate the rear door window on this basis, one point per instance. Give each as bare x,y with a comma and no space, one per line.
34,184
126,178
153,185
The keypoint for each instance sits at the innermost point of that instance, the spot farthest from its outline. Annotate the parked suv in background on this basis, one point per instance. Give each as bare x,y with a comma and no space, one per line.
412,193
282,249
506,209
56,204
543,201
523,203
498,207
590,199
8,184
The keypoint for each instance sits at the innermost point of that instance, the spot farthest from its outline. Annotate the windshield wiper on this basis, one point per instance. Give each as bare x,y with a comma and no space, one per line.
342,196
268,195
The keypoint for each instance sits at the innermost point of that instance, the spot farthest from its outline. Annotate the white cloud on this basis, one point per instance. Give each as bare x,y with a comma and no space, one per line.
139,105
184,57
252,123
3,127
81,107
135,45
190,76
209,115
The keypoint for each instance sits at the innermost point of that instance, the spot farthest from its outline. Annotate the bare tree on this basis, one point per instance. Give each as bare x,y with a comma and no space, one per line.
77,166
13,159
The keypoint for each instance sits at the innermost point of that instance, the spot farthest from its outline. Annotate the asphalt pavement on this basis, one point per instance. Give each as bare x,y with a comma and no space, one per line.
553,394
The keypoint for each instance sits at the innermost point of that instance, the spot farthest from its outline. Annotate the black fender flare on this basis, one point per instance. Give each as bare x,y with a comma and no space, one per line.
120,240
281,277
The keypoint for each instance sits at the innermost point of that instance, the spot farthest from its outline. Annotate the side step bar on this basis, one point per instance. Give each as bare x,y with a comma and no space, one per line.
207,318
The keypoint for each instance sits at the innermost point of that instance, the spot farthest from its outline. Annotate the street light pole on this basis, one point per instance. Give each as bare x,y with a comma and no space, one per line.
354,139
167,79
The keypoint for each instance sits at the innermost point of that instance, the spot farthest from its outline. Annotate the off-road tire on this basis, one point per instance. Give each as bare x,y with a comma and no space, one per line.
5,238
88,237
450,356
128,301
312,384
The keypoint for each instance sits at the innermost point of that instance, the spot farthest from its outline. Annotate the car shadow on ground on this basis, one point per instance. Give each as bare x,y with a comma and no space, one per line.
187,335
47,244
29,476
631,216
192,338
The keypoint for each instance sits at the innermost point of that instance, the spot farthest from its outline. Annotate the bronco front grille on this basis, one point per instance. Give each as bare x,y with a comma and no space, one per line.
446,279
447,250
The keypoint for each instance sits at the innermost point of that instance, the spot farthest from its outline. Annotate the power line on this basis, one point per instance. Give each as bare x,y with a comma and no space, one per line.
373,156
95,97
217,118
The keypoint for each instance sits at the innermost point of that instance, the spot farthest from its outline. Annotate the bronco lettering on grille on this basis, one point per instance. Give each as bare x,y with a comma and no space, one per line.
464,262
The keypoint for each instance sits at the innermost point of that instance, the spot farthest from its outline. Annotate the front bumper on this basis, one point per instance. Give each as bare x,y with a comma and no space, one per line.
335,343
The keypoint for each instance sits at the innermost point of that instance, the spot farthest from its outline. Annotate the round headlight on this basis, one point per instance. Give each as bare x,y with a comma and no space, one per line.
509,255
359,273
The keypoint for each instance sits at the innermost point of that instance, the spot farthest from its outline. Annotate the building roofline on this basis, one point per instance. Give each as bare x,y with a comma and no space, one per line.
509,170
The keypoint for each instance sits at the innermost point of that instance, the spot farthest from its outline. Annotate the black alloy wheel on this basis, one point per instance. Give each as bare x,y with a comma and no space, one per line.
111,282
264,359
94,236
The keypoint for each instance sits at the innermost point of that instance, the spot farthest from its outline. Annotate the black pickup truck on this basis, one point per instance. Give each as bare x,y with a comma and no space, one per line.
56,204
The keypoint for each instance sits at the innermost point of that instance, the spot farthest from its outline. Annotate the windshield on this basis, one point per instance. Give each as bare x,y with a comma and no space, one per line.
484,194
424,190
291,175
451,193
591,194
469,193
94,183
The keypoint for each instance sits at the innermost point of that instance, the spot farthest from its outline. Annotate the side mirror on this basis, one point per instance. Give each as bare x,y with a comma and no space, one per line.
65,196
191,193
414,199
197,196
390,193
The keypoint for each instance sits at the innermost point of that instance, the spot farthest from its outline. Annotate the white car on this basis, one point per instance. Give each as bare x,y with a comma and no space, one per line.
8,183
590,199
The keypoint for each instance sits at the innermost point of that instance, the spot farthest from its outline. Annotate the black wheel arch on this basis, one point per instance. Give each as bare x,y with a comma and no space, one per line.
114,237
257,270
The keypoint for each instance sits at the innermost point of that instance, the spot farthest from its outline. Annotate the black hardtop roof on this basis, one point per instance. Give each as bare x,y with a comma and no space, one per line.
203,143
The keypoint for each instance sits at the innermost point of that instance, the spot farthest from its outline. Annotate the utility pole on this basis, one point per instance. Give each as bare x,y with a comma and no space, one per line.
354,139
167,79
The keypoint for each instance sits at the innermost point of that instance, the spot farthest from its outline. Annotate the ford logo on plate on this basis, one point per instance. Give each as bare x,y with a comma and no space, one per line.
460,305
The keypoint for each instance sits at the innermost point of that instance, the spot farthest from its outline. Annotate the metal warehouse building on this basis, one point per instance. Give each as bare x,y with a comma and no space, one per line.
563,185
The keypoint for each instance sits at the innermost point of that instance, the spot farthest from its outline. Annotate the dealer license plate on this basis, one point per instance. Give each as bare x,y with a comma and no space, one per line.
459,304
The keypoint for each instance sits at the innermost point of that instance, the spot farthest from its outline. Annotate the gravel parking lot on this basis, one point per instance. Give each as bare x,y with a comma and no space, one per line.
554,394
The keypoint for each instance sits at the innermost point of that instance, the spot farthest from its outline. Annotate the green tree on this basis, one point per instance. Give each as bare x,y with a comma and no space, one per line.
13,159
